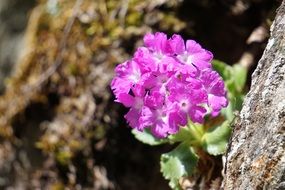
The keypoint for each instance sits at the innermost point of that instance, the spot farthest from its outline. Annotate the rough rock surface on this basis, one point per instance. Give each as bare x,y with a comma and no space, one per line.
256,158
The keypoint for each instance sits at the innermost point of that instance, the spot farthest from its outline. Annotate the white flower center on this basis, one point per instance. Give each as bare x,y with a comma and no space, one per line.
185,58
136,76
158,56
184,105
161,115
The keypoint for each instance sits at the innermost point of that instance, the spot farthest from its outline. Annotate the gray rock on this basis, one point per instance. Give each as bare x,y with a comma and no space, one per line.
256,158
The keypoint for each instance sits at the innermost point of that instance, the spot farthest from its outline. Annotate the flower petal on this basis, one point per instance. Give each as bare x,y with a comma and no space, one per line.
126,99
177,44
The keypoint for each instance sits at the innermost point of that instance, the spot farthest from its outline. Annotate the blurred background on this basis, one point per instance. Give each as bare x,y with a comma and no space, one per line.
59,126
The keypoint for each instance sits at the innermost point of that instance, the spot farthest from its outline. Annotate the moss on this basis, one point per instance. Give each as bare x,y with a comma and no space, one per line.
101,36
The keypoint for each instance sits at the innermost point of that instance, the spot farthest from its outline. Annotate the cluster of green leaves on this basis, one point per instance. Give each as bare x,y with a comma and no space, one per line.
212,137
235,79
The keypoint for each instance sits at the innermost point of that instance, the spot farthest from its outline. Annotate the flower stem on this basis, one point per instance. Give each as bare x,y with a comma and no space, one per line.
197,133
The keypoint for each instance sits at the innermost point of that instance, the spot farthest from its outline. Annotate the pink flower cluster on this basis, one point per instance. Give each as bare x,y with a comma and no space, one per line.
168,82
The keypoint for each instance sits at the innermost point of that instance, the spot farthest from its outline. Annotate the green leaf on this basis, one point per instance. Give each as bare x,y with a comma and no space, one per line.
147,138
234,76
228,112
239,74
178,163
183,135
216,138
223,69
235,79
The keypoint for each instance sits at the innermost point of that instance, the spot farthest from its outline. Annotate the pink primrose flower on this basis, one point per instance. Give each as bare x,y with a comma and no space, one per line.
168,82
